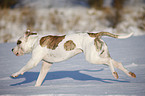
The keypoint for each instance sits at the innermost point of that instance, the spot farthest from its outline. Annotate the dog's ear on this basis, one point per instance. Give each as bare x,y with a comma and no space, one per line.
28,33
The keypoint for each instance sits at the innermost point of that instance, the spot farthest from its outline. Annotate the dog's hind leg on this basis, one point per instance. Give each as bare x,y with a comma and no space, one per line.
44,69
121,67
114,73
107,61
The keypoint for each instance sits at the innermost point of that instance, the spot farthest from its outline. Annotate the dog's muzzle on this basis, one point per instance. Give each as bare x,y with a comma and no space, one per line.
17,53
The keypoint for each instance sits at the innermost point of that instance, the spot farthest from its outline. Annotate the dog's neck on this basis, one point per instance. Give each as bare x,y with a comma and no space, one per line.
34,42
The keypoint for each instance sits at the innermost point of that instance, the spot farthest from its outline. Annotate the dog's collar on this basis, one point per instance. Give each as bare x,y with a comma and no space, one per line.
47,61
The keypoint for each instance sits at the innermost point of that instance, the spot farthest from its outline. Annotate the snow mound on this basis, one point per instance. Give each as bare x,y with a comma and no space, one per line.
131,65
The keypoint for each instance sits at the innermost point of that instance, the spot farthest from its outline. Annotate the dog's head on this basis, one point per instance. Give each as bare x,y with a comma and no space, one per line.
25,43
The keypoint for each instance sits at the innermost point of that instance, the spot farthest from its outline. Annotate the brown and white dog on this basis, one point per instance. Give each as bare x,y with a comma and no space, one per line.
51,49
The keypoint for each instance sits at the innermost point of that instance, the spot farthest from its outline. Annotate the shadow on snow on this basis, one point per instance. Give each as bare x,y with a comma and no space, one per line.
76,75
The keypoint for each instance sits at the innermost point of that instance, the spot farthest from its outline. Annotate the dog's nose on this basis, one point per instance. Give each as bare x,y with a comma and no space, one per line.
12,49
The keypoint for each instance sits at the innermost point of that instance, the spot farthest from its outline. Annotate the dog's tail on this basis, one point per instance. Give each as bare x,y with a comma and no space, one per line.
100,34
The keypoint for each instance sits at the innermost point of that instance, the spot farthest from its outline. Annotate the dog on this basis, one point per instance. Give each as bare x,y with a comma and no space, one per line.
50,49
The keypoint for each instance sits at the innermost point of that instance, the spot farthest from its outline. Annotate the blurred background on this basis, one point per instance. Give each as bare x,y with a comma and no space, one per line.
70,16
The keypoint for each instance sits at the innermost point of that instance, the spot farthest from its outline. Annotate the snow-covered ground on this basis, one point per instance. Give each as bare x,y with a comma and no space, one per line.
76,77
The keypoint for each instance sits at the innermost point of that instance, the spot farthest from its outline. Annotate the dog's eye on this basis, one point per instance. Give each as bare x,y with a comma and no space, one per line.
19,42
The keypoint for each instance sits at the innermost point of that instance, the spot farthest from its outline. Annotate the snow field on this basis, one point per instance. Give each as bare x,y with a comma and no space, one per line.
76,77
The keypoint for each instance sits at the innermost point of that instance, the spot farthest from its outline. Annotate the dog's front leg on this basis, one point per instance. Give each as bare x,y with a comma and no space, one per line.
44,69
31,63
36,58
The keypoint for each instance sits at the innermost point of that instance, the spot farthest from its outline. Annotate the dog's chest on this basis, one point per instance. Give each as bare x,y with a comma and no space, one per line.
53,57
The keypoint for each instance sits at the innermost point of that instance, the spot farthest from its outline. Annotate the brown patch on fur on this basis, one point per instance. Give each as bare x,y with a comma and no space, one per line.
98,43
98,35
132,75
28,33
69,45
99,48
93,34
51,41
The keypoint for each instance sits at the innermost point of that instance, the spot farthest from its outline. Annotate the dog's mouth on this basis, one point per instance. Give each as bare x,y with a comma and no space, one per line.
19,53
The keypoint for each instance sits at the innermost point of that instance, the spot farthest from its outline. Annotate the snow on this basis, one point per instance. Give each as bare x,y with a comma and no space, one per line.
77,77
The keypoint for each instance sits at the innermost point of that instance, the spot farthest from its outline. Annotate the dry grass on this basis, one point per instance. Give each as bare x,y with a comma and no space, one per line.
97,4
55,19
13,23
27,17
142,21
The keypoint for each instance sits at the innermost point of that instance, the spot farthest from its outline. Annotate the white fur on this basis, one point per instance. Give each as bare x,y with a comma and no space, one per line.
126,36
84,43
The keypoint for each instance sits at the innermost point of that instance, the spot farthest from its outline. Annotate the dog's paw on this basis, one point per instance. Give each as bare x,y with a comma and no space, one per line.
15,75
37,85
115,75
132,75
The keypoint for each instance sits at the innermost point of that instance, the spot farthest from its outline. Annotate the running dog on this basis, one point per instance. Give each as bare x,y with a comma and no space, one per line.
49,49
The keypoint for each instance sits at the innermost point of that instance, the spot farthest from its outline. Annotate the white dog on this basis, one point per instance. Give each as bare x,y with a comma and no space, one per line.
51,49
